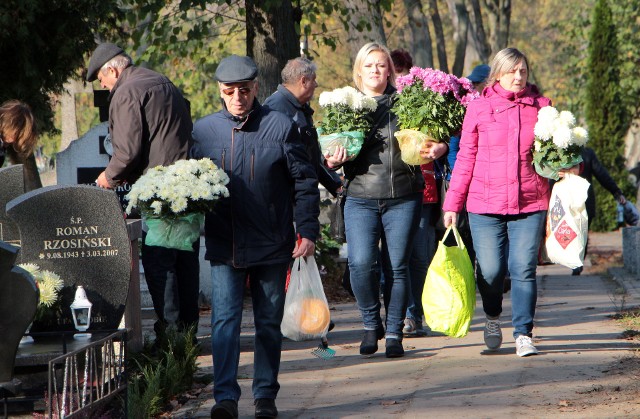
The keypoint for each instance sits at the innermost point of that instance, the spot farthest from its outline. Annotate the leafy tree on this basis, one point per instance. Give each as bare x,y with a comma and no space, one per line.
606,114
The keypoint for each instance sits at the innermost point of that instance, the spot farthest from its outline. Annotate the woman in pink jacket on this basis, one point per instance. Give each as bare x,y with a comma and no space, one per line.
506,199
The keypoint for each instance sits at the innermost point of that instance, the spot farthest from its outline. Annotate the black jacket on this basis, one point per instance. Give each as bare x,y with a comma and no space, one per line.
282,100
592,167
270,175
378,171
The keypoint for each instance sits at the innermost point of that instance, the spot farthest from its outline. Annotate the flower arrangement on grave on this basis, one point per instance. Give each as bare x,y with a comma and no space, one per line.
346,120
173,200
559,142
430,106
49,284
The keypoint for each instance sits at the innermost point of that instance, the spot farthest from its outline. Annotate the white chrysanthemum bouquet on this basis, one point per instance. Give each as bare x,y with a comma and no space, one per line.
346,120
49,284
174,199
559,142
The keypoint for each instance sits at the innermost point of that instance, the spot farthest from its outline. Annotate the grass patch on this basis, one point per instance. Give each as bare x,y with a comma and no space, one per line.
156,375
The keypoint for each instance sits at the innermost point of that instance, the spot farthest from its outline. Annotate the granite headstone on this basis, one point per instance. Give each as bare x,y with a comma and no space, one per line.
12,181
18,303
79,233
86,158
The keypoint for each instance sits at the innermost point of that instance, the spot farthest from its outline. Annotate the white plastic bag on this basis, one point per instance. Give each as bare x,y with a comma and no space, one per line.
306,311
567,222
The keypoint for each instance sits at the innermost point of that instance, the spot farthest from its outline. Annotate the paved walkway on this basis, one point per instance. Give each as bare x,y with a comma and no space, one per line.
447,377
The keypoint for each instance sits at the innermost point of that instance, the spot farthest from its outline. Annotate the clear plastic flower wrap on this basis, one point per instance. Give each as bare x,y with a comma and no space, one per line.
351,140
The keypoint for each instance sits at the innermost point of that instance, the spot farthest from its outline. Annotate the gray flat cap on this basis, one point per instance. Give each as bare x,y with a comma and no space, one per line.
102,54
234,69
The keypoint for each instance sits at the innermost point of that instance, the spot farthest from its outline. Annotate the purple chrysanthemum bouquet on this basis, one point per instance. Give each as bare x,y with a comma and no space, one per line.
430,106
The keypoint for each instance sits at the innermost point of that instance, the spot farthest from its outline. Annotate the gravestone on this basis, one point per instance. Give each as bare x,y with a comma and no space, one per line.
12,181
79,233
18,303
85,159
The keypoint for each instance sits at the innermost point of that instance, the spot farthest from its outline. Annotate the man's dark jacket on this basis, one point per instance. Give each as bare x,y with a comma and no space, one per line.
592,167
269,173
149,122
282,100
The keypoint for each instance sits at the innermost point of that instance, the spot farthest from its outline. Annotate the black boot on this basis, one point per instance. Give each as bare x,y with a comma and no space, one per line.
370,340
394,348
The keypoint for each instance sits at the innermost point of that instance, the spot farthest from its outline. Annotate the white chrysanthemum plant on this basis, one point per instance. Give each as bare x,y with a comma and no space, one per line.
49,284
346,120
559,142
174,199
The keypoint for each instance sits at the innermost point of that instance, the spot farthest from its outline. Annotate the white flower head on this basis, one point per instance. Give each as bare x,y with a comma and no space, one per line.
562,136
567,119
537,145
547,114
580,136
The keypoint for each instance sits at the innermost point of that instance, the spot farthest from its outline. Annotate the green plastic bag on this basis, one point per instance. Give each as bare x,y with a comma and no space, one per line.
351,140
449,296
179,233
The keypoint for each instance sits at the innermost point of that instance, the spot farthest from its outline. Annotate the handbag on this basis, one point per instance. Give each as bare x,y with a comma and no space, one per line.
336,216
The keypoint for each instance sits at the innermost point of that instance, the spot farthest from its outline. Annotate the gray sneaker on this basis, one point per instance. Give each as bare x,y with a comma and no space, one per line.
492,334
524,346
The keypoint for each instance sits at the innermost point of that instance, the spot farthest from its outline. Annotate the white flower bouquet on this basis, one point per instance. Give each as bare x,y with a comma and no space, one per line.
346,120
174,199
559,142
49,284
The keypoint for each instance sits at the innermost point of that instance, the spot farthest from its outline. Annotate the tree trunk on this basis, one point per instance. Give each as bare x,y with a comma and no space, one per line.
477,34
271,41
460,19
499,12
365,25
437,29
420,48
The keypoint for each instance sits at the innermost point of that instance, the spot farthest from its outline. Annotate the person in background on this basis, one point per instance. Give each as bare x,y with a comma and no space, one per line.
18,139
150,125
506,199
251,233
383,202
292,98
402,61
424,241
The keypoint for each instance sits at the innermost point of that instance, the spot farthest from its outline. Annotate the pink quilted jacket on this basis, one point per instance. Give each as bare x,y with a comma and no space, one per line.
493,172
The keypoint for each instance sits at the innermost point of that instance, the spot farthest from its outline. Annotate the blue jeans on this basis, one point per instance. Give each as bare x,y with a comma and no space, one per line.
365,222
424,244
267,295
508,243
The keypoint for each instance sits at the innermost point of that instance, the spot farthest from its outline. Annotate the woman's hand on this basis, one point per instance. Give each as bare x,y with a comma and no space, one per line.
338,158
574,170
433,150
450,218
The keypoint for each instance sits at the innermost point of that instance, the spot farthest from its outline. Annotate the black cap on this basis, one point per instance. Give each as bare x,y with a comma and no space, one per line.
234,69
102,54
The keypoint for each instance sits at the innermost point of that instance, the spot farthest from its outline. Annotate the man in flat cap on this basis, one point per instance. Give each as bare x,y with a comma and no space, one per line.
251,233
150,125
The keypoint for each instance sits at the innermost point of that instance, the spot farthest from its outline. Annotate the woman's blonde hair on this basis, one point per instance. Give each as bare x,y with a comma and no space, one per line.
17,121
362,55
504,61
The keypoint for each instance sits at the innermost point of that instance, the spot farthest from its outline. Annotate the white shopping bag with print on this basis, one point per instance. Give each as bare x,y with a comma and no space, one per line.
567,222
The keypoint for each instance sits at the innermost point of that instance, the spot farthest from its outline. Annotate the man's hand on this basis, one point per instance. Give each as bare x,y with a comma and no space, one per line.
102,181
304,247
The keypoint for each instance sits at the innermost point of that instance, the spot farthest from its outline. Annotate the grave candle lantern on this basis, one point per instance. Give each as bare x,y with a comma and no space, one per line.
81,312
